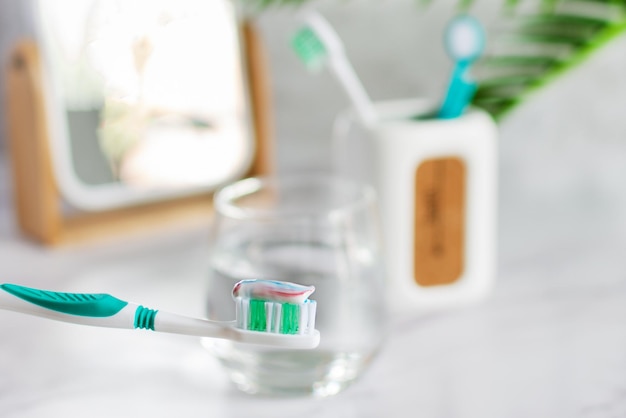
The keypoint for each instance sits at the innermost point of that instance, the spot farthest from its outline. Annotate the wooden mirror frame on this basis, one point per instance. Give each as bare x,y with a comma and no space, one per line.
36,196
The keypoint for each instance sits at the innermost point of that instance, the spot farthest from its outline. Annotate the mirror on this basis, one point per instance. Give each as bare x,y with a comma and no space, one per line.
146,100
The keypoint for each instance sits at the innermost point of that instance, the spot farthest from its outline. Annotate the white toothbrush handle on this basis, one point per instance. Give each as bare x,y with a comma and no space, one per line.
341,66
347,77
104,310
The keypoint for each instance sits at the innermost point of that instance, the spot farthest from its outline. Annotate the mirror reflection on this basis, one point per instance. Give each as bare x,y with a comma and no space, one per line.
147,95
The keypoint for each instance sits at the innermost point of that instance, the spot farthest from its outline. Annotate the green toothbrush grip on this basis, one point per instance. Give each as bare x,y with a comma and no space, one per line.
81,304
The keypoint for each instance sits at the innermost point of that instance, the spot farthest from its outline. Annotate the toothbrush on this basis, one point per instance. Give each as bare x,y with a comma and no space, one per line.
318,45
271,313
465,41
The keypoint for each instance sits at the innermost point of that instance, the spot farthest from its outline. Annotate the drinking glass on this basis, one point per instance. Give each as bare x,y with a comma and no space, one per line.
309,229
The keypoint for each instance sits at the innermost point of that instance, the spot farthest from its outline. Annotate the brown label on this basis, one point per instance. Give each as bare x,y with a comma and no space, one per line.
439,221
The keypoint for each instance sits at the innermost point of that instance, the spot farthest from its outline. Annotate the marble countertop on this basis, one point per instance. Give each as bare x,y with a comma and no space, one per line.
549,342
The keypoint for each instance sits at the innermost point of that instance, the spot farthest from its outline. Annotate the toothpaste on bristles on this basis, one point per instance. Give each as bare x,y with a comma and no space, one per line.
274,306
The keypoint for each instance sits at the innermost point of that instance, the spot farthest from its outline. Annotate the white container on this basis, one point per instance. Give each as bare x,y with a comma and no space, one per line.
436,182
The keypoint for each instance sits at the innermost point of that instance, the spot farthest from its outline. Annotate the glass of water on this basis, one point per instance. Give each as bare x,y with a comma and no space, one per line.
314,230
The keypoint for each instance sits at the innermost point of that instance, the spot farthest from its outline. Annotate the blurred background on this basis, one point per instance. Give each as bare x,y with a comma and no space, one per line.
562,151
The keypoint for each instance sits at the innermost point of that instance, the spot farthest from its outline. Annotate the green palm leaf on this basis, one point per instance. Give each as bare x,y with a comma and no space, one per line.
536,49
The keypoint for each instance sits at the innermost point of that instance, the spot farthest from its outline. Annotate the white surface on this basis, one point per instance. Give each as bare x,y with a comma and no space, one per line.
550,341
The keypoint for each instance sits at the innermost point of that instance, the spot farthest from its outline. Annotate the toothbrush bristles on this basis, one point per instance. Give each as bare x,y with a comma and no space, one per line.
276,317
309,48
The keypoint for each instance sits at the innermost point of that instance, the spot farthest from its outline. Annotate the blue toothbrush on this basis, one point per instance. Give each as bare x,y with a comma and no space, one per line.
465,41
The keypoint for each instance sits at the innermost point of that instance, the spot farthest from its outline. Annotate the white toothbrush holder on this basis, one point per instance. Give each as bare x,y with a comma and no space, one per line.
436,181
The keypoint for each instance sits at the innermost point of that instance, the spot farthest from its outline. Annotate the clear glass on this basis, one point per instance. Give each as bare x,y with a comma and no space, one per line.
313,230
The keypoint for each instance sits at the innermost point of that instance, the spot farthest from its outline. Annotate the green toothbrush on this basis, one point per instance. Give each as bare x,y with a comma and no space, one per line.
317,45
272,313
